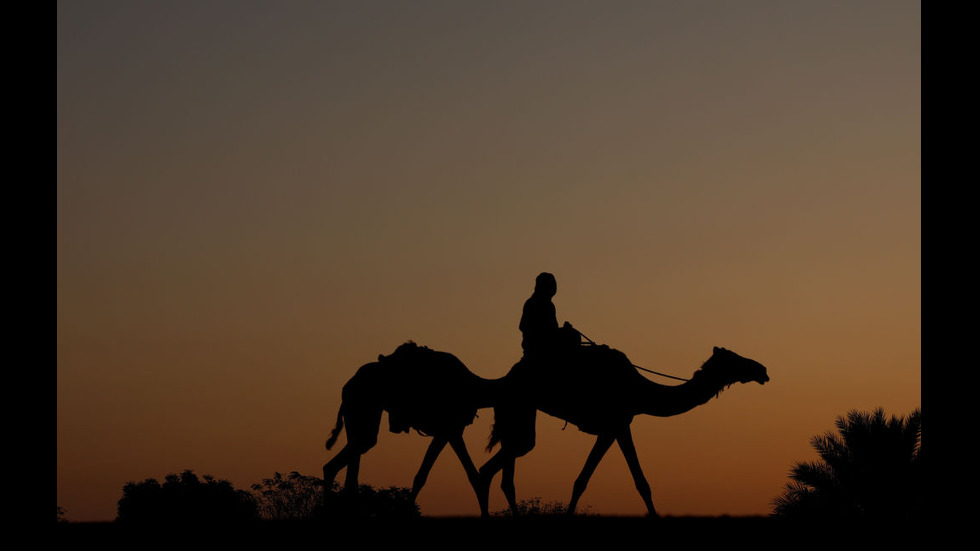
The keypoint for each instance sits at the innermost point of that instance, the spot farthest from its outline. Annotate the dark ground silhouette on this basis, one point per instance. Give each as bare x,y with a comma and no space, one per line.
577,532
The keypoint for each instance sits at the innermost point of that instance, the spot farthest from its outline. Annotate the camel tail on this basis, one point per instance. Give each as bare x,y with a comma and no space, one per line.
494,438
336,430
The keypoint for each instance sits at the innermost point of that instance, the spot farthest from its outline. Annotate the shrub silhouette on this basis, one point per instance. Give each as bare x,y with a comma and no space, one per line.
300,497
291,497
185,499
871,470
534,507
392,503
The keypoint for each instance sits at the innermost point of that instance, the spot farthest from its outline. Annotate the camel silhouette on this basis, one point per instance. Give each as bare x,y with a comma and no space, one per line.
420,388
600,391
594,387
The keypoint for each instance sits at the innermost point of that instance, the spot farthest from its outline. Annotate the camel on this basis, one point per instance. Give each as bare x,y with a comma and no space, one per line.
426,390
600,391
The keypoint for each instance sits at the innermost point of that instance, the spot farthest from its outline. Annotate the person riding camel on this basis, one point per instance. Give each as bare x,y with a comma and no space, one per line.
539,324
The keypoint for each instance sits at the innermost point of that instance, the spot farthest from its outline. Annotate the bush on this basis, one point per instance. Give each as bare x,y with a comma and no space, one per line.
534,507
293,497
300,497
390,503
185,499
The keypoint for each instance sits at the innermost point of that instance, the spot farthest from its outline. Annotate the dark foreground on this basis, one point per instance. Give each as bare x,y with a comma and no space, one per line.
475,533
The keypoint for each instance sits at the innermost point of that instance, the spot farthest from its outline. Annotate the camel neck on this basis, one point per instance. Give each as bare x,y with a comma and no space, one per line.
669,400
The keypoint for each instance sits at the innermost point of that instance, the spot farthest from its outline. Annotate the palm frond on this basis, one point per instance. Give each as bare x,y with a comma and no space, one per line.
869,468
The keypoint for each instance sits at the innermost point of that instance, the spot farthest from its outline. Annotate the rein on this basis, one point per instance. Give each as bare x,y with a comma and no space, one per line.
636,366
658,373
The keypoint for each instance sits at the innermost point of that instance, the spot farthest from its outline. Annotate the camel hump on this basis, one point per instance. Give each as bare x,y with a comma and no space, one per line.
407,350
605,356
424,361
428,390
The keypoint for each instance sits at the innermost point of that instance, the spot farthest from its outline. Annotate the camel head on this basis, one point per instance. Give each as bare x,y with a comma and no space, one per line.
728,368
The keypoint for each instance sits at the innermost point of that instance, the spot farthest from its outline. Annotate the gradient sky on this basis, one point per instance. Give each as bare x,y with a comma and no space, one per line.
255,198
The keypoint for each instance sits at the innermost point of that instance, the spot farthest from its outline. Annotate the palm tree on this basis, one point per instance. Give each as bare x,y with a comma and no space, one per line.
870,470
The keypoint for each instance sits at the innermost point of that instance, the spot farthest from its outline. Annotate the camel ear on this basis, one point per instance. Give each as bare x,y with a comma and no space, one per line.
717,349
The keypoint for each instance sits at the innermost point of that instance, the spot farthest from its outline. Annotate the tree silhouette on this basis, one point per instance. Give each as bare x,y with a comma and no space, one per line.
870,470
185,499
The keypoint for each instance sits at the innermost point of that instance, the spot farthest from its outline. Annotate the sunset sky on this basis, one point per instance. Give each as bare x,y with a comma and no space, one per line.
255,198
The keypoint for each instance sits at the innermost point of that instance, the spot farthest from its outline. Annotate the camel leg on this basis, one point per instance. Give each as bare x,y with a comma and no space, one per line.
486,474
433,451
332,467
459,446
350,480
602,444
362,426
516,426
507,485
504,460
501,461
343,459
625,440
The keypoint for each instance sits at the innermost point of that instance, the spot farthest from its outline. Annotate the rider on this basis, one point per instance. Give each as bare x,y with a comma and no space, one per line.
539,324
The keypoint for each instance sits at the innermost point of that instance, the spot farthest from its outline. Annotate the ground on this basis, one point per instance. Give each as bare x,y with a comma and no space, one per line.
433,533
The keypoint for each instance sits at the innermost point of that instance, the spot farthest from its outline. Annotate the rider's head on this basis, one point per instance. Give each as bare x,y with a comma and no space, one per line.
545,284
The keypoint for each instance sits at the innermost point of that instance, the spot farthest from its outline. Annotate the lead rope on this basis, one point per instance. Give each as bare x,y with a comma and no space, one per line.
634,365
